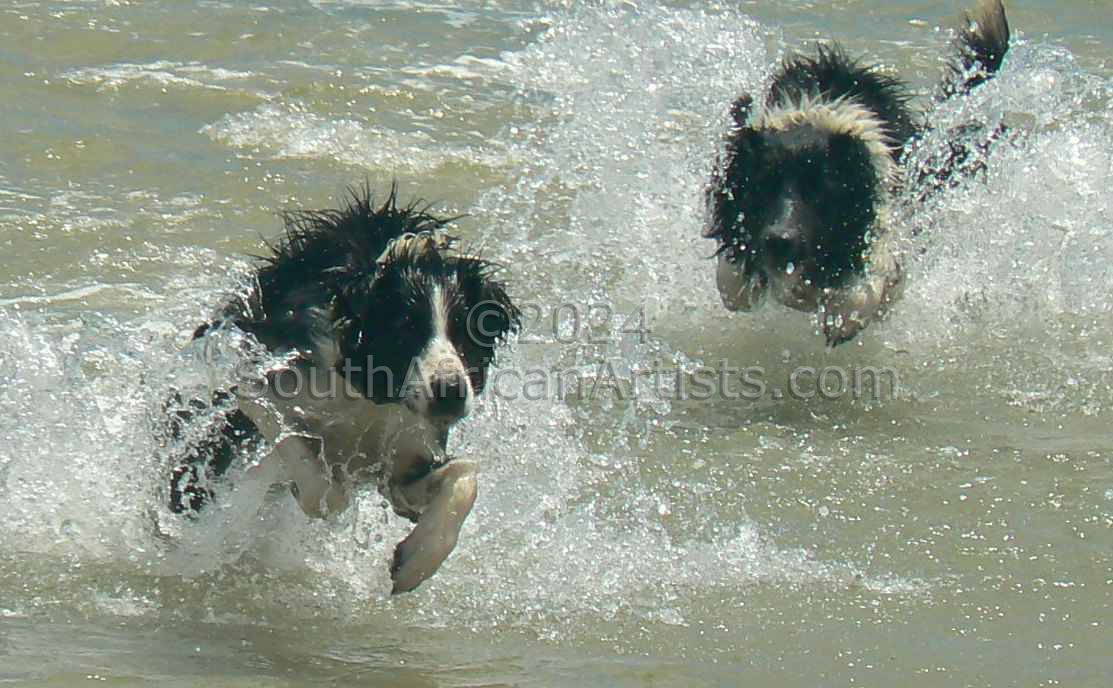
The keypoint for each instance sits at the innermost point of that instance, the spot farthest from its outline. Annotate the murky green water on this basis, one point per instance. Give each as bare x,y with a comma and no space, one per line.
958,532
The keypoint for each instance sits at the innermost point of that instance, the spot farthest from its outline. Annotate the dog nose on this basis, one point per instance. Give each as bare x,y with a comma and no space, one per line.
780,248
449,396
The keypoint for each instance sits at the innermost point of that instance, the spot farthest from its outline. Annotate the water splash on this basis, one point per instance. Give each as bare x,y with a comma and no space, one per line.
597,511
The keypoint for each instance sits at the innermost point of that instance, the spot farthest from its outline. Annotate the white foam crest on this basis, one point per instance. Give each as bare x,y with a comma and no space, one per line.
292,131
161,73
80,392
463,68
72,400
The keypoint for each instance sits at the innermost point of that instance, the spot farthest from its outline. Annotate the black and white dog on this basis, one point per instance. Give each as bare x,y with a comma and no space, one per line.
385,332
799,203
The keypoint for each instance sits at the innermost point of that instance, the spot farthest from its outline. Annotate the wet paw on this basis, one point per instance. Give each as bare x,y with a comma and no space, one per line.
407,571
840,327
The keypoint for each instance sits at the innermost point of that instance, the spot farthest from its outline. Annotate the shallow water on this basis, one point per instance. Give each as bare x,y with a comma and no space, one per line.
955,529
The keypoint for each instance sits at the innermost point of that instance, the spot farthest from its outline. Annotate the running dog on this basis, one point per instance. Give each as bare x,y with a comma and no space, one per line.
800,199
385,333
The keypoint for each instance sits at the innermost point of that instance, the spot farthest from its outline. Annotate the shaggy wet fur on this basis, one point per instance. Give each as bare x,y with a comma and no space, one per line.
386,332
799,202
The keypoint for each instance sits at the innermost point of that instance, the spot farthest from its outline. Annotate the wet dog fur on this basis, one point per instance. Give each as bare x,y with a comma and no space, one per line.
385,333
799,202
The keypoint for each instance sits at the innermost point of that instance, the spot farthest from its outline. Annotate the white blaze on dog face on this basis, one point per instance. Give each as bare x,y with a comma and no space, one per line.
428,325
406,352
438,383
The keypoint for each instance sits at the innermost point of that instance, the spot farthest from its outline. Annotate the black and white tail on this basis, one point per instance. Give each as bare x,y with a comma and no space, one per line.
982,44
981,47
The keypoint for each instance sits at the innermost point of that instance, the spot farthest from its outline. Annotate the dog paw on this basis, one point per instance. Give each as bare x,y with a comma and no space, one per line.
451,490
739,290
840,325
845,313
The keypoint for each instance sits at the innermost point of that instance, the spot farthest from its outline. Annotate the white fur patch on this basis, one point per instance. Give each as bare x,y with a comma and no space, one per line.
843,116
438,359
410,244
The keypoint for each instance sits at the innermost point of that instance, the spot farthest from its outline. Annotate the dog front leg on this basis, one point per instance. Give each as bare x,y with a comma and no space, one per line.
319,491
447,494
845,313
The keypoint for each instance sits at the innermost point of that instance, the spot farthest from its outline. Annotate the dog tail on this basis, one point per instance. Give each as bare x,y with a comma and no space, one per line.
982,44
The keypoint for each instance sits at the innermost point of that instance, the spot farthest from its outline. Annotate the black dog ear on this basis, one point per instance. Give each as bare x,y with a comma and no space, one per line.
489,318
488,296
740,110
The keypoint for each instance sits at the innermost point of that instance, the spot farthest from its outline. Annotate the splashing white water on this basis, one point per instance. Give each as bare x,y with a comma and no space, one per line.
583,516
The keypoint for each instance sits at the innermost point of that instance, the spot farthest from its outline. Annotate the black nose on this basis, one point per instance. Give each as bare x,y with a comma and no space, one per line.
449,396
781,250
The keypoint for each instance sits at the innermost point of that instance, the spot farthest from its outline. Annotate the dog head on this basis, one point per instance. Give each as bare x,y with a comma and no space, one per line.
796,205
379,293
423,327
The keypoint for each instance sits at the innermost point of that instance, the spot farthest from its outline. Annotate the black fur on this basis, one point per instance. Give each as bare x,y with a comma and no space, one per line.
381,324
833,175
834,74
794,204
961,156
323,282
321,256
327,260
227,433
981,46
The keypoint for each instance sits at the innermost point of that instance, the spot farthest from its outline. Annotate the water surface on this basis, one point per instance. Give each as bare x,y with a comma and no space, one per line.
957,532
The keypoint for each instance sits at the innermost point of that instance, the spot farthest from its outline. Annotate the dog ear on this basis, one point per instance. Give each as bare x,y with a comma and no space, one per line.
488,297
740,110
510,316
491,315
731,176
489,318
